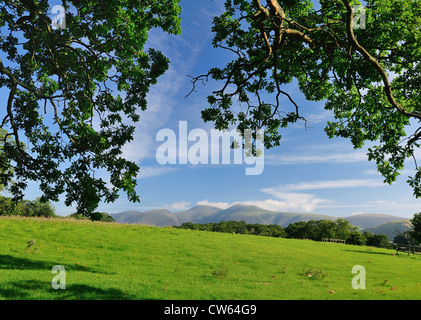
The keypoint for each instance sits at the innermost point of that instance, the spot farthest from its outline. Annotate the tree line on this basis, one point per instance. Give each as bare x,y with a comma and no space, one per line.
26,208
38,208
313,230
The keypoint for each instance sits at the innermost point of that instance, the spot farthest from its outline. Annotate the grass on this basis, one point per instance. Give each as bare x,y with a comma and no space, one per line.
114,261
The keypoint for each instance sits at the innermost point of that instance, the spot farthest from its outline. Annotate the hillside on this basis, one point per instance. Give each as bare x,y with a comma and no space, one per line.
391,229
365,221
250,214
159,217
109,261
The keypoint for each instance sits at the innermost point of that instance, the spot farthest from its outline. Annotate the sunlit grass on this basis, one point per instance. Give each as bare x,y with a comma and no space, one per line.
113,261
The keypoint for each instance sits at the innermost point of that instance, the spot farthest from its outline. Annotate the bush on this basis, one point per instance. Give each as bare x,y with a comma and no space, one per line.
239,227
377,240
356,238
26,208
314,274
96,216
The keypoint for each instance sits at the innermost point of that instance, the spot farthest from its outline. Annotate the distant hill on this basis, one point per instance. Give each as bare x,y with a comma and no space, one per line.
250,214
391,229
159,217
364,221
195,214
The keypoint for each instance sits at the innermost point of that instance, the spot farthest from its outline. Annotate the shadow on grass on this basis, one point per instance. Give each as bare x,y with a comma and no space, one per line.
369,252
28,290
14,263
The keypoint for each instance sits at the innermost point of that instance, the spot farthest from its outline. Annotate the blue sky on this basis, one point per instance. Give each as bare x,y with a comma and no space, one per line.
307,173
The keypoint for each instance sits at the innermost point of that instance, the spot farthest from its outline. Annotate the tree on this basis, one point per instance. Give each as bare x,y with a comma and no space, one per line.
369,77
36,208
26,208
8,207
402,238
95,216
356,238
74,93
325,229
415,231
376,240
297,230
6,168
344,228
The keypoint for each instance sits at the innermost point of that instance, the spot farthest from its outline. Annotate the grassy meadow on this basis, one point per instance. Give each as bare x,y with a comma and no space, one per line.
116,261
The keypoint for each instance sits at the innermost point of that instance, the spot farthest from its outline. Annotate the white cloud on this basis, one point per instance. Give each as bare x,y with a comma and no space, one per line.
287,201
303,158
356,213
160,102
153,171
163,97
221,205
180,205
327,184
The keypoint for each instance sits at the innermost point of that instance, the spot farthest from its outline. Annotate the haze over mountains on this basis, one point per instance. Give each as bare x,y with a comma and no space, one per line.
250,214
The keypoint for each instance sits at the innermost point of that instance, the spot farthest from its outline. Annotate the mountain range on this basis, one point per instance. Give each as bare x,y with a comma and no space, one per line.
250,214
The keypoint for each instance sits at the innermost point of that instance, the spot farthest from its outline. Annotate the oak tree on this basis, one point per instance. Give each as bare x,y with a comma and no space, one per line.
368,76
73,93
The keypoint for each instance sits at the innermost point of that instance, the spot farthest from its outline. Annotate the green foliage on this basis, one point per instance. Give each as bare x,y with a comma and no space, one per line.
356,238
401,239
26,208
339,229
415,232
239,227
369,78
377,240
319,229
391,229
95,216
6,168
313,230
62,95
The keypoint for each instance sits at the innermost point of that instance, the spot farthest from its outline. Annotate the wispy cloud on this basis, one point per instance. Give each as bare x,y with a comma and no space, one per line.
316,157
221,205
288,201
324,184
180,205
167,94
153,171
289,198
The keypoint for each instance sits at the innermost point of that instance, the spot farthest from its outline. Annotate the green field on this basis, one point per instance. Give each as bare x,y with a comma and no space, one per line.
114,261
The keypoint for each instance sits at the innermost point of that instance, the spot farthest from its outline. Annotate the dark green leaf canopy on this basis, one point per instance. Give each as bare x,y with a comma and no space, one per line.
73,93
368,75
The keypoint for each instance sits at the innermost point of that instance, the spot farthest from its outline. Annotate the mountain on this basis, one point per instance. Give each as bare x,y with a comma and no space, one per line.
195,214
250,214
253,214
391,229
159,217
365,221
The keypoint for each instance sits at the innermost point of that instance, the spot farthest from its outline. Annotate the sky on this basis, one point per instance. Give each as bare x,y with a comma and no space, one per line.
307,173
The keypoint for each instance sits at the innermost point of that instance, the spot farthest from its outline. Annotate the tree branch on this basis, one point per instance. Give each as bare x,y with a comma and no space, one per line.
375,64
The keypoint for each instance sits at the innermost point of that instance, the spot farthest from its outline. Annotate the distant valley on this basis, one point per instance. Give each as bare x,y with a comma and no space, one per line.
250,214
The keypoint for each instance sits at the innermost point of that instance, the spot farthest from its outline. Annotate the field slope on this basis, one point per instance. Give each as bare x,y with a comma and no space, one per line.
114,261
